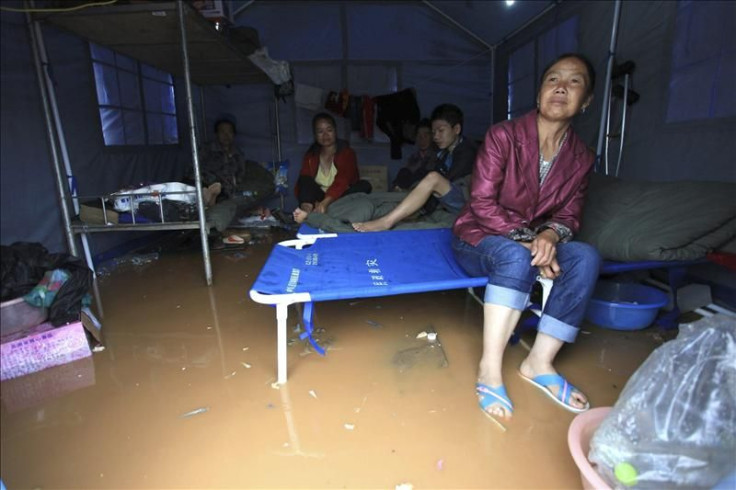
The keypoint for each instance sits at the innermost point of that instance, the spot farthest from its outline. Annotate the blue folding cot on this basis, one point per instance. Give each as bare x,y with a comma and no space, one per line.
357,265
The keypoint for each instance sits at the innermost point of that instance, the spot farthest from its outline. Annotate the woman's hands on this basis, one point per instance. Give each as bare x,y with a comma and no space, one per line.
321,206
544,253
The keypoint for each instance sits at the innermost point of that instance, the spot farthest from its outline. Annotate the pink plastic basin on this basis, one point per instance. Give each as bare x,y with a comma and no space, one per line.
581,430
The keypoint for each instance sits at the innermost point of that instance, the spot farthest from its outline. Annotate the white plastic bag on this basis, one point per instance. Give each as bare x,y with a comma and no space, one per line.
674,424
174,191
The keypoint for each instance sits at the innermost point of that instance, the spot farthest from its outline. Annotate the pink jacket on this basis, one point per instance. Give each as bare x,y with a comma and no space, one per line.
505,192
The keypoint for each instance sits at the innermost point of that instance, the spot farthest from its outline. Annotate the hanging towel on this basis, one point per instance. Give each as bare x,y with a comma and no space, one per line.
398,116
366,126
308,97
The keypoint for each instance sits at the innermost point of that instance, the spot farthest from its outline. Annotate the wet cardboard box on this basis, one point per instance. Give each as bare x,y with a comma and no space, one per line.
40,347
33,389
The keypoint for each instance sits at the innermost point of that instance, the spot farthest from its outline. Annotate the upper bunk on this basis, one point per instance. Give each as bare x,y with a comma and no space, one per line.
149,32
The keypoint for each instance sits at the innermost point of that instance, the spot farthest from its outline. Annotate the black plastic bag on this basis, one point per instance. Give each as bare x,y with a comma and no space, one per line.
23,265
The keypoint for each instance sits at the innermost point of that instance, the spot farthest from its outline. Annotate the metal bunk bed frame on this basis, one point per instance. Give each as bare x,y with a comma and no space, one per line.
216,61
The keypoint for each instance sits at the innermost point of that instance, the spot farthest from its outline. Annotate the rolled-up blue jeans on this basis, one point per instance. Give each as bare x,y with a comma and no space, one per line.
511,278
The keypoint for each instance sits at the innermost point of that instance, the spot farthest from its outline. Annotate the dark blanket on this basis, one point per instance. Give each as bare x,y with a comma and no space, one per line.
631,220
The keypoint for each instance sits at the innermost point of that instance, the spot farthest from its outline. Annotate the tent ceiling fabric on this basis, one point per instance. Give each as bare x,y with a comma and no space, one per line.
492,20
385,30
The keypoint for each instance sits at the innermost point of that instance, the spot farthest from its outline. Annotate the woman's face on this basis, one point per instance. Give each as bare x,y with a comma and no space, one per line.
424,138
324,133
564,90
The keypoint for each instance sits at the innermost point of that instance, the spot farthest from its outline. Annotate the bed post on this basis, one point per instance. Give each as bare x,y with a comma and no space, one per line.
282,313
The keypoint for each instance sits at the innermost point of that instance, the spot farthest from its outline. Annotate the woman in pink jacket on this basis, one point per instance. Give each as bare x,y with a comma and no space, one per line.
525,205
329,170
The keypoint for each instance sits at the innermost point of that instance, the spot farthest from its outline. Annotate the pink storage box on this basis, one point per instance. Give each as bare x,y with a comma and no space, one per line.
36,388
40,347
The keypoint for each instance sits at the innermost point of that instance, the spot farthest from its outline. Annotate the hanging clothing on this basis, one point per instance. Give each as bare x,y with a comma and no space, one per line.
398,116
366,126
338,103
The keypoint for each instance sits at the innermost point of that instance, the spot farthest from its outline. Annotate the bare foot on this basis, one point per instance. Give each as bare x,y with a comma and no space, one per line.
379,224
576,399
210,194
300,216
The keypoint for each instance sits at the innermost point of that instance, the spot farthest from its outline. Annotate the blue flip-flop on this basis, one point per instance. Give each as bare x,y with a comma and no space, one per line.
488,396
545,381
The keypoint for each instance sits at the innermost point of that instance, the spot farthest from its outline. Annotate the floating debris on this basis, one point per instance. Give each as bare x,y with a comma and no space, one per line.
440,464
246,348
312,394
196,411
373,324
350,426
404,486
228,376
98,348
275,385
421,335
246,365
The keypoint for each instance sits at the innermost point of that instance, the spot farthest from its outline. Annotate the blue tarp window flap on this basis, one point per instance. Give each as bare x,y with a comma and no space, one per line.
136,101
703,73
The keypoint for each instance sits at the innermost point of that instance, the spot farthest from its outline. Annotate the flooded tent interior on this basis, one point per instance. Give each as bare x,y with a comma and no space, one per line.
175,382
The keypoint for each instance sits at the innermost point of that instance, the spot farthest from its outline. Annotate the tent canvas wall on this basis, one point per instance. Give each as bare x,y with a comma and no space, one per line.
680,129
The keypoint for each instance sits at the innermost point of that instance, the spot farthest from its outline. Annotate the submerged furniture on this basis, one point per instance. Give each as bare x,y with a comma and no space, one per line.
357,265
170,36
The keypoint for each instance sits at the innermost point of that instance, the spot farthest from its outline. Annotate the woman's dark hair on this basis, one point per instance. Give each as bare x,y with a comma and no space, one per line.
578,56
424,123
326,117
449,113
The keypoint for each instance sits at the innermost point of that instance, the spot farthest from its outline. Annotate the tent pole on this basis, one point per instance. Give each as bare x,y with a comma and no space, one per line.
493,80
64,152
457,24
203,107
278,140
607,89
195,152
527,23
61,185
240,10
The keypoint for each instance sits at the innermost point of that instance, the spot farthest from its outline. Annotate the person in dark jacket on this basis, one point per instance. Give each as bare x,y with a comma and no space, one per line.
419,163
231,182
329,170
455,160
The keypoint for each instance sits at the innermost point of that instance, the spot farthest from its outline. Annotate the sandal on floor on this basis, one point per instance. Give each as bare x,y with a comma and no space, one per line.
488,396
546,381
233,240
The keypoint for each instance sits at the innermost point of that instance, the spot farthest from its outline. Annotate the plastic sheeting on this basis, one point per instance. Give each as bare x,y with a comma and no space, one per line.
674,424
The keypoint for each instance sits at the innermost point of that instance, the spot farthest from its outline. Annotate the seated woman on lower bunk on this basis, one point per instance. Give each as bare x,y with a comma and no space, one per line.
526,201
443,185
329,170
